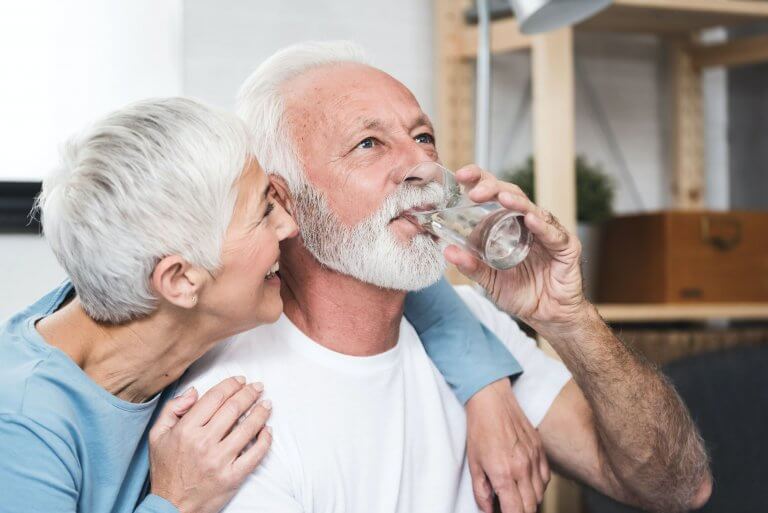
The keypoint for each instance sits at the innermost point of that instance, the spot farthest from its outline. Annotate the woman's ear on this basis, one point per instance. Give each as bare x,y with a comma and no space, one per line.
282,193
177,281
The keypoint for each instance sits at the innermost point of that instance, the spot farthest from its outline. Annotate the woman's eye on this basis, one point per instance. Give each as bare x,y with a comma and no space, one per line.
425,139
269,209
367,143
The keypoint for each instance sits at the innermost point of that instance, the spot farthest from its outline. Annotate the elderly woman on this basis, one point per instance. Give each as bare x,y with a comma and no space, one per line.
170,235
169,232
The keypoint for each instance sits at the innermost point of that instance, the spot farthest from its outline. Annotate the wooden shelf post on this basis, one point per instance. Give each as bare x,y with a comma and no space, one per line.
553,124
687,148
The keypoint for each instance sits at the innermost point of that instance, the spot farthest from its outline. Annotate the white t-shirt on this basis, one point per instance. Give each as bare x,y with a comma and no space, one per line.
382,433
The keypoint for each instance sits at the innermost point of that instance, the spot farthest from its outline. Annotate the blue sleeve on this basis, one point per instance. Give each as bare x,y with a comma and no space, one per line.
467,354
155,504
36,472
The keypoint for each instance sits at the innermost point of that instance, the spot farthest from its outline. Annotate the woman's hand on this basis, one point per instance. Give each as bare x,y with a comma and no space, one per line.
505,452
199,452
545,290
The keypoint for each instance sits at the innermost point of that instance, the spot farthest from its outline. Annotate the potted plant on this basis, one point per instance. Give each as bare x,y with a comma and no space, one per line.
594,205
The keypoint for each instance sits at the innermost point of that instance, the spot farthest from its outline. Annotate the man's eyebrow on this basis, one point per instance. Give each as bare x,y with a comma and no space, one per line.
423,120
361,125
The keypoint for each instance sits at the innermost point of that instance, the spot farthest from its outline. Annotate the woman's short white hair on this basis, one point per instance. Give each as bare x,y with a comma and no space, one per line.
260,101
154,179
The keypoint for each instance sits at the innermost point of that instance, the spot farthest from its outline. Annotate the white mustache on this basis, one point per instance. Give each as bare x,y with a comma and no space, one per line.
405,198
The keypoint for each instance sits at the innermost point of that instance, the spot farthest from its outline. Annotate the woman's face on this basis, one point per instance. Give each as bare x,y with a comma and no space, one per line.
245,292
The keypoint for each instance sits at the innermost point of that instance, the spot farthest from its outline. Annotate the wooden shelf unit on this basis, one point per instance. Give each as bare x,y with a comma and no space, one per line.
678,22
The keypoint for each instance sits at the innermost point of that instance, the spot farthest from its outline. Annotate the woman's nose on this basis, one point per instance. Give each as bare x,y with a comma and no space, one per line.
287,227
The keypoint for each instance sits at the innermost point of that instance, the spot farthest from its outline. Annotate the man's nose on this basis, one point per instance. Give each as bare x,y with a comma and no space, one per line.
410,155
420,172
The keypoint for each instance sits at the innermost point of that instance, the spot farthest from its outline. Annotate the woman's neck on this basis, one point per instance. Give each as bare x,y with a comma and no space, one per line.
132,361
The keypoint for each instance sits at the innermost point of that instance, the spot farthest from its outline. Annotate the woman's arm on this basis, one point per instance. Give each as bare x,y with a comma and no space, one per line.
466,353
37,471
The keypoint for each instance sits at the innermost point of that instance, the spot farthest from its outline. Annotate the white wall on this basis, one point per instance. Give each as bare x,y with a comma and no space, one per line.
224,41
65,64
28,270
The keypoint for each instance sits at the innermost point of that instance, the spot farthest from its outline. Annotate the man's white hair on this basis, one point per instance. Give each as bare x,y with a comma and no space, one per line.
154,179
367,251
261,104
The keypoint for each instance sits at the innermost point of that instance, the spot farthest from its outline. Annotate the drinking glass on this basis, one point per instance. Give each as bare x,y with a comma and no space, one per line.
492,233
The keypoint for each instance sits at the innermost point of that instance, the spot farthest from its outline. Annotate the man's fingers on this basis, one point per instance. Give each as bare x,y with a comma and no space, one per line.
212,400
470,266
468,176
172,411
233,408
547,231
251,457
247,430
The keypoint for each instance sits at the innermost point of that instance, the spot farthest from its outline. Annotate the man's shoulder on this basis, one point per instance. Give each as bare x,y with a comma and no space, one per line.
244,354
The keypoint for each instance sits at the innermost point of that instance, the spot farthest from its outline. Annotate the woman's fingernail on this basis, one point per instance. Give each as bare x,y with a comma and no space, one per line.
188,392
506,196
257,386
269,429
266,404
240,379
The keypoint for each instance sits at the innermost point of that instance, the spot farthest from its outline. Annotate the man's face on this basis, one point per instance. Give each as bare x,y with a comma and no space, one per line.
357,131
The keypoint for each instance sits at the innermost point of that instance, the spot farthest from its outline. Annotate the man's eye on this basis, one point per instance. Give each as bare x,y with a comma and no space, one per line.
424,139
367,143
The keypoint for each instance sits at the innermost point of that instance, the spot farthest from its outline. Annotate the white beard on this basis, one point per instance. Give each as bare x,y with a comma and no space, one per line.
369,251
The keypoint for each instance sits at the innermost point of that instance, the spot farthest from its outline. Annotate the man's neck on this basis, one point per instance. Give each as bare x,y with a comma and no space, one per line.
335,310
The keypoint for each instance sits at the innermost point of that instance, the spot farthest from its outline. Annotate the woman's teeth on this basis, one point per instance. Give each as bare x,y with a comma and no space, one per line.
273,271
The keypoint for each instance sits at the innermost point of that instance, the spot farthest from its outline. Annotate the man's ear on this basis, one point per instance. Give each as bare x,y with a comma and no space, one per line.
281,191
177,281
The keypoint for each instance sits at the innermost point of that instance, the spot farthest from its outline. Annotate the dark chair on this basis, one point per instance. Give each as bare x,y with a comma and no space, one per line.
727,393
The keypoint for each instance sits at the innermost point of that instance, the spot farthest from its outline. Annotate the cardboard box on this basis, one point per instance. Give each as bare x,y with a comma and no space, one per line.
685,257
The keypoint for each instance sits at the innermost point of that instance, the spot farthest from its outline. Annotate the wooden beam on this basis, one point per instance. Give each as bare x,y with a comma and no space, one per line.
554,173
553,124
738,52
454,85
505,37
735,7
687,141
674,16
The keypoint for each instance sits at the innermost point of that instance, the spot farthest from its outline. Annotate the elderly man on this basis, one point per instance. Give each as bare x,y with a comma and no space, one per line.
362,421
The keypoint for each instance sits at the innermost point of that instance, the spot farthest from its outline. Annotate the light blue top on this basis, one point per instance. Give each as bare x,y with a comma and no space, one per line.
67,445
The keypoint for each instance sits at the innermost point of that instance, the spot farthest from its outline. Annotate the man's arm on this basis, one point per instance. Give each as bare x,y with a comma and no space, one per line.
621,427
634,438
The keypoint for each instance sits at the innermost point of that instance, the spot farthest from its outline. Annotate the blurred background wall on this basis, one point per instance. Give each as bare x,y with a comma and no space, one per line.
105,54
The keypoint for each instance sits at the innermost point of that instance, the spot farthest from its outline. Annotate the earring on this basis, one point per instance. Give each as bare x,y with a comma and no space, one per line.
194,300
